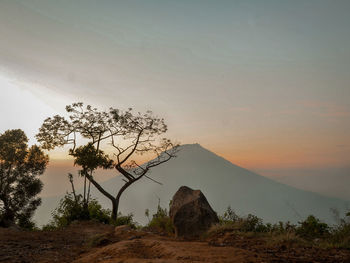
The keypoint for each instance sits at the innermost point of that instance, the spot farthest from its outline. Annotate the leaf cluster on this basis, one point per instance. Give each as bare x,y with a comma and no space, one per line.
20,166
160,221
90,158
72,209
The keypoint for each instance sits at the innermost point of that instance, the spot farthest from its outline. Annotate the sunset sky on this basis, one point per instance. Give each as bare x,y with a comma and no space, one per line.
264,84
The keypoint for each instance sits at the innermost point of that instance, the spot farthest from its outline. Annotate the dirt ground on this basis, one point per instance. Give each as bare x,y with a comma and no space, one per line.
48,246
89,243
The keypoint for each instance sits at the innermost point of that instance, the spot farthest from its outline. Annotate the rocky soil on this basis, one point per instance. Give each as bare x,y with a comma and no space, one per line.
89,242
48,246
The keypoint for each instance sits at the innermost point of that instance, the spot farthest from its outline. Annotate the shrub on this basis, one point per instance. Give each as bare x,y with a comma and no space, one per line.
252,223
340,234
96,212
125,220
312,228
281,228
229,216
71,209
26,223
230,221
161,221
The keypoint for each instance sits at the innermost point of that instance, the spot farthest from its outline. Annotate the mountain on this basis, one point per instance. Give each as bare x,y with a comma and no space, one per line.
222,182
333,184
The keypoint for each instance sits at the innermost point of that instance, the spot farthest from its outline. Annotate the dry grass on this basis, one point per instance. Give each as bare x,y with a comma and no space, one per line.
288,239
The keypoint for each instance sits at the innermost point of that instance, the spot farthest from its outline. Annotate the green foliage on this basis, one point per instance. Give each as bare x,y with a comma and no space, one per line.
229,216
161,221
230,221
281,228
311,231
252,223
312,228
125,220
340,234
26,223
97,213
71,209
89,158
20,166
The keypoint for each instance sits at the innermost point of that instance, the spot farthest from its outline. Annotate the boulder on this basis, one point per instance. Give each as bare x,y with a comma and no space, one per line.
191,213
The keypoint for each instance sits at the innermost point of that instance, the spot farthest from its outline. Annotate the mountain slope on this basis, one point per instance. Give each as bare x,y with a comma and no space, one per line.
224,184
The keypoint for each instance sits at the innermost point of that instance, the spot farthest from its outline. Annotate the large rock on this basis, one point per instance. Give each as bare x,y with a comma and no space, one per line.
191,213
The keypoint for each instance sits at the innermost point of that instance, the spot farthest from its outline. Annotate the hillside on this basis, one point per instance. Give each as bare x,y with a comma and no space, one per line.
222,182
88,242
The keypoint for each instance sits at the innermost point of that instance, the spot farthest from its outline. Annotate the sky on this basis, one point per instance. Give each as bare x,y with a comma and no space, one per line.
264,84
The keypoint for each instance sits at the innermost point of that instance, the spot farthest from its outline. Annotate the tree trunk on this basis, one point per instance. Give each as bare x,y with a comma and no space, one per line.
114,201
8,217
84,197
117,199
115,205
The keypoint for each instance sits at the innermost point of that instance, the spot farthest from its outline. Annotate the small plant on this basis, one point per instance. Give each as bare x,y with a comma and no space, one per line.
281,228
26,223
340,234
147,215
71,208
161,221
230,221
312,228
229,216
125,220
252,223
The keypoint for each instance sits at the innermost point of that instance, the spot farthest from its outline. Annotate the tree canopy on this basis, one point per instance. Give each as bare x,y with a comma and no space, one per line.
124,133
20,166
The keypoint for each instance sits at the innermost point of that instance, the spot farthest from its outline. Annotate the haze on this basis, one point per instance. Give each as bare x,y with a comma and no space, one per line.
264,84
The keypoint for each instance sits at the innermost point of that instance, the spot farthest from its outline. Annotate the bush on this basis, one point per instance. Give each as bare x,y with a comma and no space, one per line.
125,220
340,235
252,223
230,221
97,213
71,209
312,228
229,216
281,228
161,221
26,223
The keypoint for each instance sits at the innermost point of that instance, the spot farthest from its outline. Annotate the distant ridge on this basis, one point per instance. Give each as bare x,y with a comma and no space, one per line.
223,183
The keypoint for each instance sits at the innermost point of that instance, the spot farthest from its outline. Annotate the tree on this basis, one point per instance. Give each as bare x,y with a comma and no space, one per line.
20,167
124,133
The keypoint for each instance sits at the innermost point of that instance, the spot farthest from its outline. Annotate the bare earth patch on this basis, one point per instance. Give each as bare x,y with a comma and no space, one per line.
48,246
89,243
